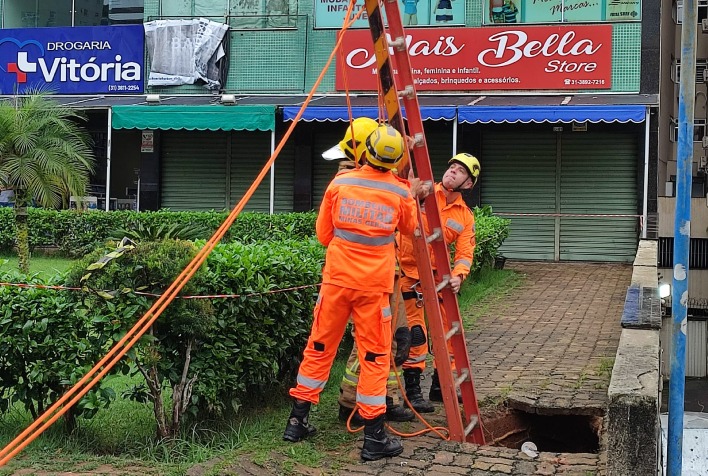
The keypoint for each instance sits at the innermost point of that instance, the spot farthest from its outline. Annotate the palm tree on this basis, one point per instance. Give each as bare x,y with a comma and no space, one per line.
45,156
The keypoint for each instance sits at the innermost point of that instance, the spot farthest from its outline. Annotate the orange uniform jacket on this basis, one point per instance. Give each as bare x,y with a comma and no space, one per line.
458,225
360,212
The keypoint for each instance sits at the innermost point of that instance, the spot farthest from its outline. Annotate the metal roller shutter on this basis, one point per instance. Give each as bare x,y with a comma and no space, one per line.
519,176
193,170
250,151
598,176
323,171
284,173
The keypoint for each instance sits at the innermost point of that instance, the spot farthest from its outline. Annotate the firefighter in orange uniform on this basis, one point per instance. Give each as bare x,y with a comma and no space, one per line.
458,224
360,212
352,145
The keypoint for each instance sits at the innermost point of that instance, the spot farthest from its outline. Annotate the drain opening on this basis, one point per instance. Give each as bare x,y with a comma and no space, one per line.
552,433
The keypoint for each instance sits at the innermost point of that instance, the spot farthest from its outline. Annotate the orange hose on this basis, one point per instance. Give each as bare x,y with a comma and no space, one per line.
75,393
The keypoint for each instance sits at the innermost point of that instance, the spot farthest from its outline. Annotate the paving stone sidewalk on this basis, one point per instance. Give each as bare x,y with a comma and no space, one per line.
548,347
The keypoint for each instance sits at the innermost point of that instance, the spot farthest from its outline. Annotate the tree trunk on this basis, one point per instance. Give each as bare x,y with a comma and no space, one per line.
182,392
23,254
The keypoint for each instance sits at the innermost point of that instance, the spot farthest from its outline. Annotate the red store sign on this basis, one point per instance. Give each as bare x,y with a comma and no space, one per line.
454,59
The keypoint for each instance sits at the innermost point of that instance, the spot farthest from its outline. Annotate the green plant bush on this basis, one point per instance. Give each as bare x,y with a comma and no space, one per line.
47,345
238,347
491,231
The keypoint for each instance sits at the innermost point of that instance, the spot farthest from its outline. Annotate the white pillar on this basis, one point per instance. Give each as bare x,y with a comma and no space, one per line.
108,159
645,214
272,172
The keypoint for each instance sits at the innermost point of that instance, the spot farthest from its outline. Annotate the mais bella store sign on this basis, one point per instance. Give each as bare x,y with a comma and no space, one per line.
544,57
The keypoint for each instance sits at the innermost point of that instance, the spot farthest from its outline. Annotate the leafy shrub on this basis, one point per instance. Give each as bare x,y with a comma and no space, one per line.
491,231
163,355
235,346
47,345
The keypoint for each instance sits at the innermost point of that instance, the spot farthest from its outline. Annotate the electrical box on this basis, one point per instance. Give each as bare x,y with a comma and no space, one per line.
669,190
704,25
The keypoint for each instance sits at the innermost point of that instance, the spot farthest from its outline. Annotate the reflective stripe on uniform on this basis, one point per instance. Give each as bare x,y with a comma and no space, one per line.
463,261
389,187
351,376
373,401
386,311
415,360
364,240
310,382
455,225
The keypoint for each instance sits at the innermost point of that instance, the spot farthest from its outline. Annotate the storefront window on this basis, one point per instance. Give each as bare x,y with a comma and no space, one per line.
193,8
35,13
414,13
263,13
544,11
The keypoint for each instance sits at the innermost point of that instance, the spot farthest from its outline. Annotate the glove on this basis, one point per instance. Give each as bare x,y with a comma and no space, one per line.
403,345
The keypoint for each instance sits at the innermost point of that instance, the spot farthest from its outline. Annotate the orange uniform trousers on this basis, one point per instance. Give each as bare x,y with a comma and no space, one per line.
371,314
419,330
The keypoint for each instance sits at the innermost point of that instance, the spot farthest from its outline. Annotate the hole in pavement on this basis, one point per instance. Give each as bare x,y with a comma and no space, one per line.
552,433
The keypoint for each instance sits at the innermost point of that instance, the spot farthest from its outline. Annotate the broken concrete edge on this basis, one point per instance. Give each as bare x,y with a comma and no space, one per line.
635,386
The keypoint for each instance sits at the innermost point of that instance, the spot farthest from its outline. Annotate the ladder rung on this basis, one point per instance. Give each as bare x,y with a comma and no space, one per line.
443,283
472,425
419,139
399,43
464,375
408,92
434,235
455,329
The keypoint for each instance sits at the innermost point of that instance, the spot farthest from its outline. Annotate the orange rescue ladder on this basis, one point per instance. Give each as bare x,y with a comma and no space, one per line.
465,427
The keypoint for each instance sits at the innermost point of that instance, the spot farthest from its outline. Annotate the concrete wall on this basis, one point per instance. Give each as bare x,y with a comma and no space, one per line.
633,438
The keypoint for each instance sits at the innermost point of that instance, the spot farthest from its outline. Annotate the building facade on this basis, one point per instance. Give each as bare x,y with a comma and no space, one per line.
671,28
559,100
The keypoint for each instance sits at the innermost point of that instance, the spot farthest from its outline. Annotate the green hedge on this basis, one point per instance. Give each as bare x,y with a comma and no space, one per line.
76,233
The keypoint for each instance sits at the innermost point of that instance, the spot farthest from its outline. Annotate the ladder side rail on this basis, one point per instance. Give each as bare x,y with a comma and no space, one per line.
440,249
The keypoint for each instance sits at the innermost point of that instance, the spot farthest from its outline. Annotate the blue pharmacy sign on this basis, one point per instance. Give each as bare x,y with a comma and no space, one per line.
79,60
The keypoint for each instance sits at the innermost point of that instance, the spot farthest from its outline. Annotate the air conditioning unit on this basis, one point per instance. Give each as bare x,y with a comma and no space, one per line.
703,162
675,72
705,142
704,25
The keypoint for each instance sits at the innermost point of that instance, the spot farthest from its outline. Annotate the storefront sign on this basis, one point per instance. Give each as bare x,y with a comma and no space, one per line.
330,13
148,142
546,11
453,59
100,59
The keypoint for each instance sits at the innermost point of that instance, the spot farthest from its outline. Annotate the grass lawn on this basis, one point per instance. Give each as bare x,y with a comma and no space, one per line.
120,440
45,266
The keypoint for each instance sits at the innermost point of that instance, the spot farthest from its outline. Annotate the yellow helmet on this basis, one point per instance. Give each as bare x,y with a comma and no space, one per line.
385,147
345,149
469,162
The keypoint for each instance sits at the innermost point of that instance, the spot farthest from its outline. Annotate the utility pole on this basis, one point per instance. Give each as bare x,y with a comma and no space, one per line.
682,236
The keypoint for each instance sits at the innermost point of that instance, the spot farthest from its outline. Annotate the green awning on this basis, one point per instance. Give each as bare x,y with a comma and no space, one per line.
198,117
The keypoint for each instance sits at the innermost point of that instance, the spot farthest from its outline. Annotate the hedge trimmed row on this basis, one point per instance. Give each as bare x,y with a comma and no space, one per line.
77,233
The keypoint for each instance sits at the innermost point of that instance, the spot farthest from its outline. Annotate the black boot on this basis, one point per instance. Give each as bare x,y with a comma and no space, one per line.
414,393
397,412
377,443
344,412
298,427
435,394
